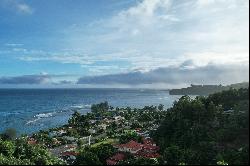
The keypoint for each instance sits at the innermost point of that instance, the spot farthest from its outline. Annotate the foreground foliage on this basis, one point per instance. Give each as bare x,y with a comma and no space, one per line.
212,130
19,152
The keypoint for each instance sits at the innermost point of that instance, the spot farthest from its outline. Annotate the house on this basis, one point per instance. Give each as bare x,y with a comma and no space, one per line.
32,141
148,149
92,131
117,118
131,147
148,141
56,142
228,111
105,120
69,156
70,147
92,121
102,126
144,134
115,159
61,132
138,129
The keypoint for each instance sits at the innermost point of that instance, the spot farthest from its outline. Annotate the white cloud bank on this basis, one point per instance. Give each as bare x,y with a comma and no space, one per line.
155,34
174,76
152,31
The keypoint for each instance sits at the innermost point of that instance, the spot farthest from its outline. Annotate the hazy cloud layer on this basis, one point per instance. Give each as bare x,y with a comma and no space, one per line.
26,79
43,78
164,77
209,74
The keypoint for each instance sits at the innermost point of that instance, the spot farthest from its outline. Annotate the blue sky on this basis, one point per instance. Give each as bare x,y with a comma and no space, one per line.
117,43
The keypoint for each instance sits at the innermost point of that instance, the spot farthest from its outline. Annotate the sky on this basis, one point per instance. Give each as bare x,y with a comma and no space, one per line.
123,43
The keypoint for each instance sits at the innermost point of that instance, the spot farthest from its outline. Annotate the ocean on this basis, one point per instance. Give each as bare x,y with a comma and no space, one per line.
31,110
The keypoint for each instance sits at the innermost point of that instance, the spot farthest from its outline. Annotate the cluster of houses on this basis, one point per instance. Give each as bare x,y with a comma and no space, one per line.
68,151
102,124
147,149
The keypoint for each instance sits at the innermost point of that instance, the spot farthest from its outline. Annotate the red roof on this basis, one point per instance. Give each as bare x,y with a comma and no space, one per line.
114,159
151,155
111,162
131,145
151,147
118,157
32,142
138,129
147,141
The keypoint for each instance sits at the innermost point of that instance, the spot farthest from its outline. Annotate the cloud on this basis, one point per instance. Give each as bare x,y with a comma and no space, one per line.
24,8
177,37
162,33
17,6
65,82
25,79
153,31
43,78
13,44
209,74
65,59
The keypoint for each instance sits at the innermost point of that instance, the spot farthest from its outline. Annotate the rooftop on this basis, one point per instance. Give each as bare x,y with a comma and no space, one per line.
131,145
114,159
118,157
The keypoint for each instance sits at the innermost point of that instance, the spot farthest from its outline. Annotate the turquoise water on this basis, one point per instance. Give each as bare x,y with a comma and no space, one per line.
30,110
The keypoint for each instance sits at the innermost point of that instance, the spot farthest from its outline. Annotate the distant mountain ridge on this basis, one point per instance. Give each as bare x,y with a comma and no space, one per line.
206,89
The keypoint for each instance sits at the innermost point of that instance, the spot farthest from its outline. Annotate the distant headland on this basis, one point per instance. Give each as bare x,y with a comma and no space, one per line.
206,89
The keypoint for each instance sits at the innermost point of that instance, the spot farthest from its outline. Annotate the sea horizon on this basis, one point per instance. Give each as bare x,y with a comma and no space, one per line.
48,88
30,110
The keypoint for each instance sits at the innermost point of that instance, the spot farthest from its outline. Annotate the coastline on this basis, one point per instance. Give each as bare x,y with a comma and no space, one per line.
49,108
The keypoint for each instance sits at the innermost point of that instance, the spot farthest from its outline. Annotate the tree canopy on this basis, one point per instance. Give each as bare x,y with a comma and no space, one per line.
202,131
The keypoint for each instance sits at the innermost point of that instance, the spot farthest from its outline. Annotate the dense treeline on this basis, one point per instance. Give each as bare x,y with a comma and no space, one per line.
206,89
206,130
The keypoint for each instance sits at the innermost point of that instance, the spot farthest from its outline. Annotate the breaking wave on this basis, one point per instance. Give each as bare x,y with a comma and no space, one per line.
44,115
81,106
54,113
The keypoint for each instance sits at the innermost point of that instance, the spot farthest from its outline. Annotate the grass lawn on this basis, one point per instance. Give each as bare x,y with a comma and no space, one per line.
107,141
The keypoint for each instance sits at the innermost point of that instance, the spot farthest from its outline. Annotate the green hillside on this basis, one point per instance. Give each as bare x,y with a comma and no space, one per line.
206,89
